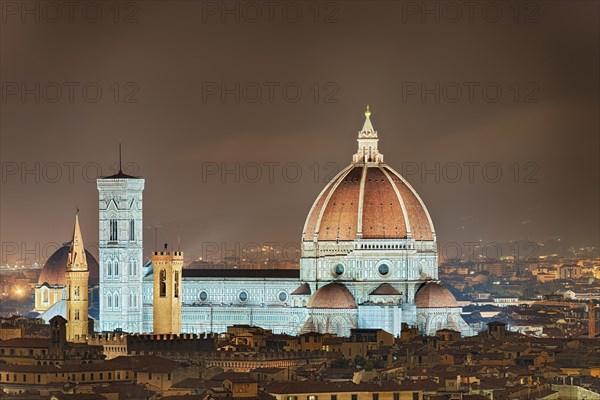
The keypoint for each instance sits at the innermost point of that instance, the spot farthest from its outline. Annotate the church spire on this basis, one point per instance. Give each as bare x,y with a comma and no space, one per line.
367,143
77,259
77,279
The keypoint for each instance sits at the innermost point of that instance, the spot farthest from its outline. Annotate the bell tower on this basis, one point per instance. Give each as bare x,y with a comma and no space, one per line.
77,287
167,291
121,247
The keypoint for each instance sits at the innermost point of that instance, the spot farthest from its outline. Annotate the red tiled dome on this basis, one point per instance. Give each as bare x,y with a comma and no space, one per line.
332,295
434,295
386,207
55,268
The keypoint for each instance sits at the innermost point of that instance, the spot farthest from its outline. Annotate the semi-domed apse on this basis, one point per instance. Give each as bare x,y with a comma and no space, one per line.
434,295
332,295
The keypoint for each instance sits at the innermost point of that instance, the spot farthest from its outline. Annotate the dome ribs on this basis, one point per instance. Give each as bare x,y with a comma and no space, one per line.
339,220
382,214
373,196
313,218
417,215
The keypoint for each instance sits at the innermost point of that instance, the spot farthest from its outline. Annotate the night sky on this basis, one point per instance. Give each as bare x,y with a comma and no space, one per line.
192,88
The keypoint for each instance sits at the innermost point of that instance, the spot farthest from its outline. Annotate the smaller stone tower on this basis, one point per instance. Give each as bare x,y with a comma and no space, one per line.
167,291
77,277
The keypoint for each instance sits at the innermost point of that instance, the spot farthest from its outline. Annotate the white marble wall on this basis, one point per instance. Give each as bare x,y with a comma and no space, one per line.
121,260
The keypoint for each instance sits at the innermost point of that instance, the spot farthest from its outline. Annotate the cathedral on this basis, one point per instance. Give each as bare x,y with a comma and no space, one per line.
368,260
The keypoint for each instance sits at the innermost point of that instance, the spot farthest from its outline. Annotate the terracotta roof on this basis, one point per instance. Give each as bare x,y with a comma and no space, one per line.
382,213
302,290
190,383
54,270
241,273
340,213
25,342
266,370
146,363
388,203
423,385
125,390
230,375
434,295
77,396
385,289
332,295
291,387
474,397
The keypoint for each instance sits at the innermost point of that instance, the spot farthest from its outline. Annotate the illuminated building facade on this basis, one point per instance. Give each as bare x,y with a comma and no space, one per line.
368,260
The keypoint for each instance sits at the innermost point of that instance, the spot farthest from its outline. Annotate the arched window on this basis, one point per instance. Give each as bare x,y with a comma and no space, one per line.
116,268
45,296
176,286
109,268
109,300
132,229
76,315
76,293
162,283
116,300
113,229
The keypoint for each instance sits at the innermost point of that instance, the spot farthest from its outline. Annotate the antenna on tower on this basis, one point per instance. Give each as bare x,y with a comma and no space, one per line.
156,226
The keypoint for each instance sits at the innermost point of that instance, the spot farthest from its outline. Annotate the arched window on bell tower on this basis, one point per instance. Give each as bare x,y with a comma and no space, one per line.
113,230
131,229
176,285
162,283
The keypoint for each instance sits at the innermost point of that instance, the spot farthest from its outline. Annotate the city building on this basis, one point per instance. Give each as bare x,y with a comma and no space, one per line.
368,261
